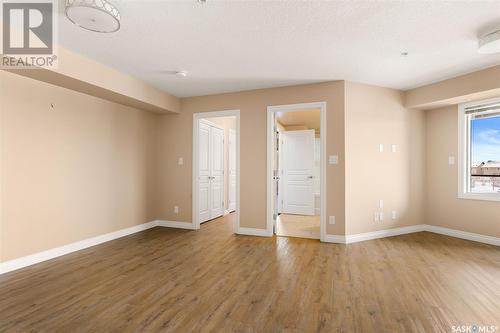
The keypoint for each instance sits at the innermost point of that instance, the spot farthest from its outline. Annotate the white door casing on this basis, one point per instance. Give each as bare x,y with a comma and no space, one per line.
297,172
204,176
210,171
271,111
232,171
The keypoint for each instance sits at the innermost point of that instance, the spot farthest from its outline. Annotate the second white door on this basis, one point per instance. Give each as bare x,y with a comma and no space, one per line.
297,165
211,171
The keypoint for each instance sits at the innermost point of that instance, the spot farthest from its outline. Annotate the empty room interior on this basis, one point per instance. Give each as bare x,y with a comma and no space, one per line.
250,166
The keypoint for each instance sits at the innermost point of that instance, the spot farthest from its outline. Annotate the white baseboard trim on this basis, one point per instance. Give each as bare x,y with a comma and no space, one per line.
32,259
464,235
334,239
175,224
36,258
253,232
384,233
348,239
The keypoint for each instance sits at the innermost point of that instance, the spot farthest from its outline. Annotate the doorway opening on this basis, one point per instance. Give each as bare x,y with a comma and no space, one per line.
296,170
216,167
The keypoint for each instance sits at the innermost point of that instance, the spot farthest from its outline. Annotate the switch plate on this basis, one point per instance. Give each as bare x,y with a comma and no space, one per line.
381,147
333,159
331,220
393,214
176,209
381,204
393,148
181,161
451,160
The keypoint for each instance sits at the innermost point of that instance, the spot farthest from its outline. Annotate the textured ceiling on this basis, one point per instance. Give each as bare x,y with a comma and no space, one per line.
240,45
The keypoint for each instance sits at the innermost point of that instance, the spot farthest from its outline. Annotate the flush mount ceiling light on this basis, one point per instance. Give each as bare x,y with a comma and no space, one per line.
181,73
93,15
174,72
489,43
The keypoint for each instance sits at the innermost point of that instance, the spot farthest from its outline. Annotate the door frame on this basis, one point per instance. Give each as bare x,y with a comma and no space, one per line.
271,110
228,167
195,172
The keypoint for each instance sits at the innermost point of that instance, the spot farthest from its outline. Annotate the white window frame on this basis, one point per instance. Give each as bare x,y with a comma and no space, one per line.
464,164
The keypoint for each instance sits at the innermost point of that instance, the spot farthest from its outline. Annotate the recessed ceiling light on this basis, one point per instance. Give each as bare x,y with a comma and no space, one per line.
489,43
93,15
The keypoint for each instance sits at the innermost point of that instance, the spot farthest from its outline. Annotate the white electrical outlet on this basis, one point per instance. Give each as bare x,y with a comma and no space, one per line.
181,161
331,220
376,217
333,159
393,214
381,217
393,148
176,209
381,204
451,160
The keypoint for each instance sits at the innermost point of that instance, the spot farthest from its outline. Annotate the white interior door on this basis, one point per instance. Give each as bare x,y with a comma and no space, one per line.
204,177
211,171
232,171
298,169
217,171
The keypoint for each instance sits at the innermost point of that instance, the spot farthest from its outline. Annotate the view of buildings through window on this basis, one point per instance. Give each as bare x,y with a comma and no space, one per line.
485,155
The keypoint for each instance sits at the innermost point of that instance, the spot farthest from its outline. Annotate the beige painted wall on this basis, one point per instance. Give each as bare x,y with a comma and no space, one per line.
227,123
89,166
443,208
376,116
175,139
80,169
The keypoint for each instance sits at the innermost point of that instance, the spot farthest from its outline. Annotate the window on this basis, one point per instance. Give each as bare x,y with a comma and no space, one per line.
479,149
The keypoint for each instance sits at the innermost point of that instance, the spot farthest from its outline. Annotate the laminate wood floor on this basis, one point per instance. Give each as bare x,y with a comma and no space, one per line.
171,280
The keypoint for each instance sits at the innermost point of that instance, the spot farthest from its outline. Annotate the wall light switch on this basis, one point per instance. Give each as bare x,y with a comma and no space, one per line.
381,148
451,160
181,161
393,148
176,209
333,159
331,220
381,204
393,214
